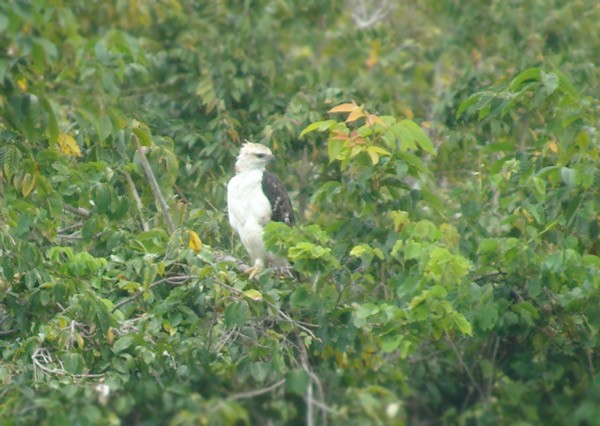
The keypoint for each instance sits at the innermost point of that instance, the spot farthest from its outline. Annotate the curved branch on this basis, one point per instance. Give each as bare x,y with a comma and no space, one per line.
137,199
154,185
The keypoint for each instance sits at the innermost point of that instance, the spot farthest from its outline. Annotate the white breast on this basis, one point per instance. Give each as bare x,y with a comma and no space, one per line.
246,201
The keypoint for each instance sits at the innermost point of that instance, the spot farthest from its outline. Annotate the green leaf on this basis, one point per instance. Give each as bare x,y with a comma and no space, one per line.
418,135
296,382
321,126
568,176
488,245
467,103
10,160
462,324
3,22
390,343
52,126
524,77
334,149
550,82
122,343
236,314
366,310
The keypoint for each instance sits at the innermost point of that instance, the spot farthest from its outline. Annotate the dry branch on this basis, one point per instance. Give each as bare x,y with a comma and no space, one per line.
154,186
137,199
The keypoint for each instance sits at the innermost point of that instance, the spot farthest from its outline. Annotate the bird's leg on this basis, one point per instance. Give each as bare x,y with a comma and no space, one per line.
254,270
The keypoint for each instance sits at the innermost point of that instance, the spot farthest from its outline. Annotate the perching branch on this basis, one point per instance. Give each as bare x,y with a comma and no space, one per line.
154,185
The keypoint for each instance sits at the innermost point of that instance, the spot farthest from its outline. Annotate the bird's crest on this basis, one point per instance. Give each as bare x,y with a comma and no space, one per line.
254,148
253,156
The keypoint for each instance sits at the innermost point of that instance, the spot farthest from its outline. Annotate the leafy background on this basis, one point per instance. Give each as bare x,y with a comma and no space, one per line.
442,157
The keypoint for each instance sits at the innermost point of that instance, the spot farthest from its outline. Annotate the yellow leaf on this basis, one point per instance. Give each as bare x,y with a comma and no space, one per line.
80,341
349,107
22,83
374,156
373,54
195,242
553,147
28,183
67,145
355,115
110,335
253,294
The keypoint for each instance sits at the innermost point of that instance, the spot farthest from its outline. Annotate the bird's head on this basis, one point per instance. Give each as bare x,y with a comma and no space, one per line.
253,156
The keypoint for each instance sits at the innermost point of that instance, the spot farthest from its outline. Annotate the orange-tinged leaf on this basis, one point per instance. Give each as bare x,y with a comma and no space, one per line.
340,135
348,107
373,119
67,145
355,115
195,243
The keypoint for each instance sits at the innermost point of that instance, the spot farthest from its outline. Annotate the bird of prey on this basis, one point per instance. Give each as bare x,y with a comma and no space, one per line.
254,198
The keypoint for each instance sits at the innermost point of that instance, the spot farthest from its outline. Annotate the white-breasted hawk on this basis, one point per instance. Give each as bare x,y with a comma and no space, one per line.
254,198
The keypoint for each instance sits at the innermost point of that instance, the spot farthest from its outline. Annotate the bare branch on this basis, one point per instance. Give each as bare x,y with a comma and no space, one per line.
367,13
280,313
463,365
309,391
154,185
69,228
41,358
175,280
137,199
79,211
257,392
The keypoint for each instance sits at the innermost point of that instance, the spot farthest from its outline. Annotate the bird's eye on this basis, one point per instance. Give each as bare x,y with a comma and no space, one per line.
260,155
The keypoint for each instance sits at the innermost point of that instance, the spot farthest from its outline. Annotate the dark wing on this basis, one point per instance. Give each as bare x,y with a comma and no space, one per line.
281,207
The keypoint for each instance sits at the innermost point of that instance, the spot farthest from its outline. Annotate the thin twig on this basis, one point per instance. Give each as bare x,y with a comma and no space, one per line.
282,314
309,391
181,195
154,185
257,392
42,355
175,280
69,228
462,364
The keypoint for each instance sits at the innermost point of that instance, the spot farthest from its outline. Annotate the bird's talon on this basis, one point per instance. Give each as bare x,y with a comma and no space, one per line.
253,271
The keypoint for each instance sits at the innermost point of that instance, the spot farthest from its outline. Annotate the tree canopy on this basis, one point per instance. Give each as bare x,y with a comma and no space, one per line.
442,158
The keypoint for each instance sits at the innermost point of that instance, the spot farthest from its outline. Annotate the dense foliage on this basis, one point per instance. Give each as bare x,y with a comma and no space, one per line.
442,157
